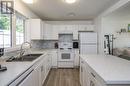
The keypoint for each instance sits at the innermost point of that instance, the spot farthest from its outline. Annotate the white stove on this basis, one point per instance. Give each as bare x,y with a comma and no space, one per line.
65,52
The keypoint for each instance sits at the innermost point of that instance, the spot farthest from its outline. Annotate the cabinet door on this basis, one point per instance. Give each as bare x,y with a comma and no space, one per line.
43,71
83,27
28,81
55,30
37,75
36,29
90,28
81,72
86,76
48,32
49,62
54,58
76,54
86,27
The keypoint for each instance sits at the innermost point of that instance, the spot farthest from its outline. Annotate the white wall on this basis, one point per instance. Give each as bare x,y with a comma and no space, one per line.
98,27
108,26
111,26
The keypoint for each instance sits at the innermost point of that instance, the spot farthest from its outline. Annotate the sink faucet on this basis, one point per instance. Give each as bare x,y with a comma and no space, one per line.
22,51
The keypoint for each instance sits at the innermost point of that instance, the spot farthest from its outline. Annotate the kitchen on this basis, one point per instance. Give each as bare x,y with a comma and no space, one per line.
58,43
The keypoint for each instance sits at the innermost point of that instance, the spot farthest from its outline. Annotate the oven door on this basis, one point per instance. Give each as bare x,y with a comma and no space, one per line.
65,55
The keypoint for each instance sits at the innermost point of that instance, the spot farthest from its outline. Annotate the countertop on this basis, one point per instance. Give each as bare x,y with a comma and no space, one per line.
111,69
15,69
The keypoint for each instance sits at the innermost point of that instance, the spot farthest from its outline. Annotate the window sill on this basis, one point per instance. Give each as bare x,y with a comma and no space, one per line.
12,49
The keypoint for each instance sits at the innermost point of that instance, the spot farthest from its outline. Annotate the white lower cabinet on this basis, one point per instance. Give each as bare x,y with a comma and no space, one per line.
84,77
94,82
76,57
36,75
54,56
81,72
42,70
48,63
87,77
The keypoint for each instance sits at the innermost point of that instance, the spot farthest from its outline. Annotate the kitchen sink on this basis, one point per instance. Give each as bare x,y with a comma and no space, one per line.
28,57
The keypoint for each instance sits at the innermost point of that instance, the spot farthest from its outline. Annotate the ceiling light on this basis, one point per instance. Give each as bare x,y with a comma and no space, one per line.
71,14
70,1
28,1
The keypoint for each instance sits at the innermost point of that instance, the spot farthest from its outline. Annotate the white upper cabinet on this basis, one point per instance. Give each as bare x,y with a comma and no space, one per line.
86,28
51,31
36,28
47,31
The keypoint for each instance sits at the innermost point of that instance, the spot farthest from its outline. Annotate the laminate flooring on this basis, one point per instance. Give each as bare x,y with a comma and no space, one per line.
63,77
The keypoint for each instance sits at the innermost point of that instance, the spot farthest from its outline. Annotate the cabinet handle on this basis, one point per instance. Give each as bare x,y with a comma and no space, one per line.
93,75
41,68
82,62
81,69
92,83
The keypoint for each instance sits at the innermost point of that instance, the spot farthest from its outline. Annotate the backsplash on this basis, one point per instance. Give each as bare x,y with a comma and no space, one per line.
44,44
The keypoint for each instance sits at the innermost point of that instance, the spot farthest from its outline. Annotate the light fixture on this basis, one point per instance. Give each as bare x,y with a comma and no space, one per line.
71,14
70,1
28,1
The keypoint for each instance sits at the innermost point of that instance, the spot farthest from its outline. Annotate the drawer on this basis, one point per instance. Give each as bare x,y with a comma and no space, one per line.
65,64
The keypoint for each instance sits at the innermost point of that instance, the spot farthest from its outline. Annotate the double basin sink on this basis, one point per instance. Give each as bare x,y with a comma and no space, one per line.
28,57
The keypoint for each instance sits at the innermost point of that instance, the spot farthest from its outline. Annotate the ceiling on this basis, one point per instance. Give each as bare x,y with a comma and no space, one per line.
59,10
121,14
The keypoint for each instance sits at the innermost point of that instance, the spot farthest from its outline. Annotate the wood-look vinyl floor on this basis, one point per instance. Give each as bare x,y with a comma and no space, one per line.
63,77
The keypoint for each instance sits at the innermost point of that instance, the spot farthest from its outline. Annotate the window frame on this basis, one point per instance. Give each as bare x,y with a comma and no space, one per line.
13,45
11,20
24,19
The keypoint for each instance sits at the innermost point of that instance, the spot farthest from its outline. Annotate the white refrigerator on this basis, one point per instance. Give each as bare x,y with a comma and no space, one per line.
88,42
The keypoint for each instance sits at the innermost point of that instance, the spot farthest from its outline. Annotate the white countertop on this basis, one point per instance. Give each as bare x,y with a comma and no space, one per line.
15,69
111,69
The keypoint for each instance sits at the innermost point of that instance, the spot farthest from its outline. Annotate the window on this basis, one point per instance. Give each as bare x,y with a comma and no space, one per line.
20,26
5,30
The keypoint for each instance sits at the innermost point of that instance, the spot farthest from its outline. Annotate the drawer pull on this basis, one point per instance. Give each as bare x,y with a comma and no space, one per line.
93,75
82,62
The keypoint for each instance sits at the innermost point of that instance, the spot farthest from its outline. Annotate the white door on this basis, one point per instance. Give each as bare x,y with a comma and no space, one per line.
88,37
88,49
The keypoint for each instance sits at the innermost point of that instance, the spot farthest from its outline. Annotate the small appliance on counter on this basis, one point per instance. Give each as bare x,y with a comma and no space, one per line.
56,45
1,54
75,45
3,68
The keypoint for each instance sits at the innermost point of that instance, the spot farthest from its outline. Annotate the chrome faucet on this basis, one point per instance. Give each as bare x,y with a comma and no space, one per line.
22,51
